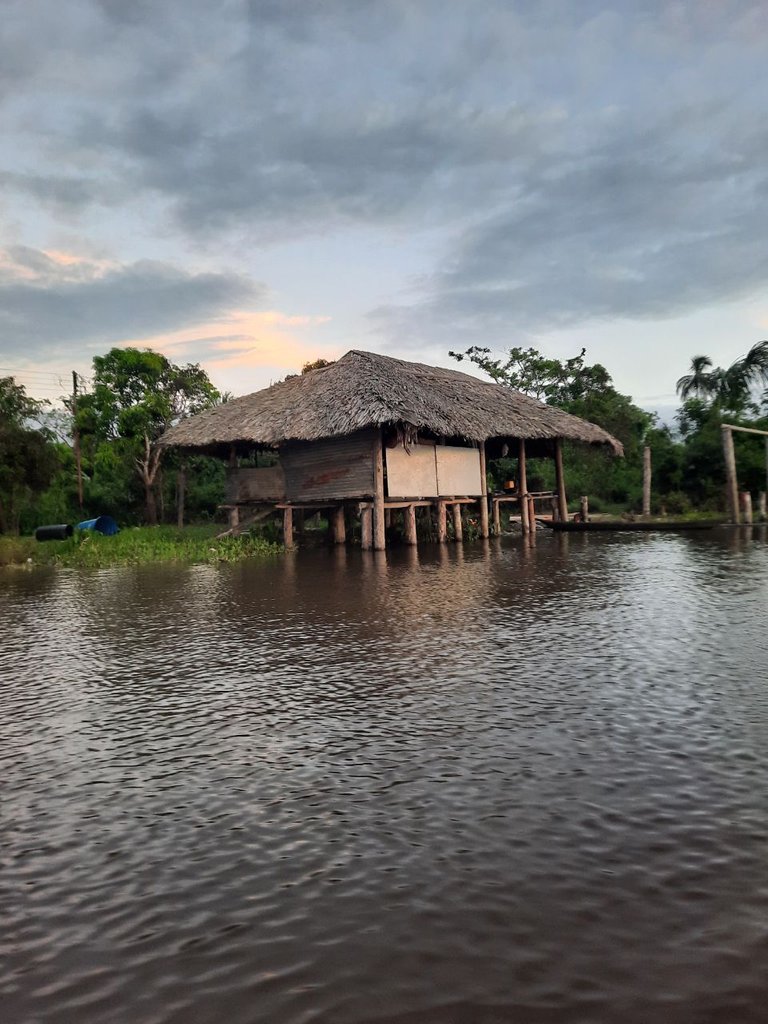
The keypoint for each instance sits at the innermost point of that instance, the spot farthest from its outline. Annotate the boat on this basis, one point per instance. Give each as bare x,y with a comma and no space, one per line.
609,526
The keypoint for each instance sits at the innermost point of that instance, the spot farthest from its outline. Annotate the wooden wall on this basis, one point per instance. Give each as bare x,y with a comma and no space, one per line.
341,467
249,484
432,471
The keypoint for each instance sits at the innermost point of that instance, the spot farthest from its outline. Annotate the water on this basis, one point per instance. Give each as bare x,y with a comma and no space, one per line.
479,785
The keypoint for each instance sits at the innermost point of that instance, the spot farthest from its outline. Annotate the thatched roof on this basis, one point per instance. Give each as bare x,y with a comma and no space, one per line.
363,389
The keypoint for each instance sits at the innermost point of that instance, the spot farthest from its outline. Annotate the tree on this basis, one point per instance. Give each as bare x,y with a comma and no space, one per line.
27,456
732,388
137,394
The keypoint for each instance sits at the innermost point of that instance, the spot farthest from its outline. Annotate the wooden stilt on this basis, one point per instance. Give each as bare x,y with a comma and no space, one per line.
746,507
732,491
338,526
458,530
646,481
584,504
233,514
379,527
762,513
442,524
410,525
288,526
522,483
531,514
496,519
366,528
560,476
483,494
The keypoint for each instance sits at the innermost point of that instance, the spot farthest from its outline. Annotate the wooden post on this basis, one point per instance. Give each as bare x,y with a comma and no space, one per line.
531,514
76,442
410,525
379,528
234,518
560,476
483,494
288,526
458,530
646,480
496,518
584,508
731,487
181,483
366,528
746,507
762,514
522,484
442,524
337,524
232,457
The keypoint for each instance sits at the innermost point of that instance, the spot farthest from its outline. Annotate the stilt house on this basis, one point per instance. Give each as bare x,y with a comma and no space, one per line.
369,434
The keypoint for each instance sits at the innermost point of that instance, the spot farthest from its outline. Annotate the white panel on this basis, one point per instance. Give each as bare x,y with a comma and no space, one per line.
458,471
411,475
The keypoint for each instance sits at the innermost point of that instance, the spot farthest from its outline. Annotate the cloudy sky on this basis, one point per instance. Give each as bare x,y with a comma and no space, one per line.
255,183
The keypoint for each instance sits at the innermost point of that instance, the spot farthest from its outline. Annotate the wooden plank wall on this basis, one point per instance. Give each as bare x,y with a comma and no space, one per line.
341,467
250,484
432,471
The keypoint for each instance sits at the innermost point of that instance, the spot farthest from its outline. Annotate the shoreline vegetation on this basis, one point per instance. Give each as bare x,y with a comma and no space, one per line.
137,545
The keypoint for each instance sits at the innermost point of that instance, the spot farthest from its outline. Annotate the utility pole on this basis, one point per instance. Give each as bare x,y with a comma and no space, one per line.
76,442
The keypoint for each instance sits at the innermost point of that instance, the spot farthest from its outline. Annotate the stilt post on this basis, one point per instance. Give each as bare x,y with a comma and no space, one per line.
338,526
522,483
746,507
560,476
732,491
288,526
483,493
366,528
410,525
584,504
442,524
379,527
496,518
646,480
762,513
458,530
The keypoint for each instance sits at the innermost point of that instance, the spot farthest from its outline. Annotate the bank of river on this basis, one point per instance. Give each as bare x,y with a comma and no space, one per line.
474,785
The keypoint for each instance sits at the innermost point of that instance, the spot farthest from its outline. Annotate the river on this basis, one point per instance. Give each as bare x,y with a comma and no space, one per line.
491,784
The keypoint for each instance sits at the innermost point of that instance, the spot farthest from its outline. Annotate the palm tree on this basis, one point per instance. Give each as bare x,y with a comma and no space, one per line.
699,383
731,388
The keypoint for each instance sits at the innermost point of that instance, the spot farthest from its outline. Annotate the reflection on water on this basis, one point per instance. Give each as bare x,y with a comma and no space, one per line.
494,783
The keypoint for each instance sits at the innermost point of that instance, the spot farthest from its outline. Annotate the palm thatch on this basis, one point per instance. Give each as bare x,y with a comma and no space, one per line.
363,389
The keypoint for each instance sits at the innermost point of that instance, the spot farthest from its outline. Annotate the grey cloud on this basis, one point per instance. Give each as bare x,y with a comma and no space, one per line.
46,305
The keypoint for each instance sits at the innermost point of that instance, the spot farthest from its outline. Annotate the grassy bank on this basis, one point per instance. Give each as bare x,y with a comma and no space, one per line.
136,546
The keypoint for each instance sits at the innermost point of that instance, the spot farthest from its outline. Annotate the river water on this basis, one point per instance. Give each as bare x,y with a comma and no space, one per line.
476,785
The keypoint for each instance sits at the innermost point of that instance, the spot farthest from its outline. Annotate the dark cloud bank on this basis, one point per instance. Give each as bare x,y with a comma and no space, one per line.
586,160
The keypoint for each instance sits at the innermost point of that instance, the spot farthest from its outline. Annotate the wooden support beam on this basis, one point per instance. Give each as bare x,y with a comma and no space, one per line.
337,525
483,493
562,501
379,525
233,515
458,530
522,484
531,514
584,505
762,513
442,523
646,480
288,526
496,517
410,525
366,527
731,486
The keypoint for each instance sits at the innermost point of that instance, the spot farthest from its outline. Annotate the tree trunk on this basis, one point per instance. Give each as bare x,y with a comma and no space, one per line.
150,504
181,483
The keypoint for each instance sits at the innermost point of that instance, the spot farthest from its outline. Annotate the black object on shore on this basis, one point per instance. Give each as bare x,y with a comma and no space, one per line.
62,531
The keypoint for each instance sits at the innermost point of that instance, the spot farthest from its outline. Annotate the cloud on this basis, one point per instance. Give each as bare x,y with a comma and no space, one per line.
50,300
579,161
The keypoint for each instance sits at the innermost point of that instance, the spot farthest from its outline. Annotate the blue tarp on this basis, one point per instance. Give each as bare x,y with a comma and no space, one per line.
101,524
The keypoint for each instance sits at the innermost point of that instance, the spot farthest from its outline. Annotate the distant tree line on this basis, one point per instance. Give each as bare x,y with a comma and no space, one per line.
135,394
688,467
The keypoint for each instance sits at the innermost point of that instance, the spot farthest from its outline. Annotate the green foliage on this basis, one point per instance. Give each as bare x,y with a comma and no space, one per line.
27,454
136,546
732,389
